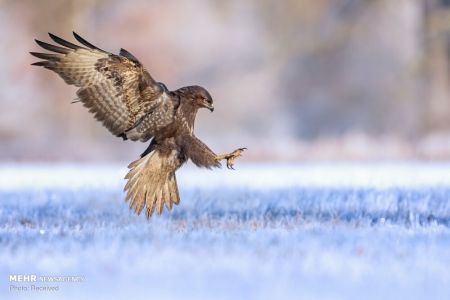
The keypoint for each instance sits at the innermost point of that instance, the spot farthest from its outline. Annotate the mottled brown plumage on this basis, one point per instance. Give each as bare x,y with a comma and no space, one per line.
131,104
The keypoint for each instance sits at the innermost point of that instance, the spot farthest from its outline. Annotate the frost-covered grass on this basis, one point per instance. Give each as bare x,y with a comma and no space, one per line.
308,231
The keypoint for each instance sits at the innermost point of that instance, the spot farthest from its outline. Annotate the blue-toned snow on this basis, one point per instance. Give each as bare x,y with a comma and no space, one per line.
308,231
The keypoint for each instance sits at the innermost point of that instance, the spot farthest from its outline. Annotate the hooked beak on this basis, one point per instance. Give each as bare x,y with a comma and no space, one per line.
210,107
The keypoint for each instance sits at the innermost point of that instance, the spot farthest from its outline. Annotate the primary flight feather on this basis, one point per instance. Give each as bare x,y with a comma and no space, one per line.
132,105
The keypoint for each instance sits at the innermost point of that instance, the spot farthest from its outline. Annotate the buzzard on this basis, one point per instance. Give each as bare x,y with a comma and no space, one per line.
125,98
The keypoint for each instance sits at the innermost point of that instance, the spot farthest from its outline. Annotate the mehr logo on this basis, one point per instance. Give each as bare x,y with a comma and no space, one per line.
22,278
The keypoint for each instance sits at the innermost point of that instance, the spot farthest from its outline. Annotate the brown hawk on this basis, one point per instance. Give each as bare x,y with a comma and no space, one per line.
131,104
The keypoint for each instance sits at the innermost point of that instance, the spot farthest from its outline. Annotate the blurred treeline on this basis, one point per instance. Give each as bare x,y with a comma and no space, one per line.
290,79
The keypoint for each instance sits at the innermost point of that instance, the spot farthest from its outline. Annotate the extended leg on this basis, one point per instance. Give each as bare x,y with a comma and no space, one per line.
231,157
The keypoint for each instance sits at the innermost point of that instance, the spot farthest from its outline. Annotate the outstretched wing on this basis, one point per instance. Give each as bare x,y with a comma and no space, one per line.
152,182
115,88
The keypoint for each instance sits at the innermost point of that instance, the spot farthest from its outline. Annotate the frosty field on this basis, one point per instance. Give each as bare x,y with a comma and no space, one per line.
303,231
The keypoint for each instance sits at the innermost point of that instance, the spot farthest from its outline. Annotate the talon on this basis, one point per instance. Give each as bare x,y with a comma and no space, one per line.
231,157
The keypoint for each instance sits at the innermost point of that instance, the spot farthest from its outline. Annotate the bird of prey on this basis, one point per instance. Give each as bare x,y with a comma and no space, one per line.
125,98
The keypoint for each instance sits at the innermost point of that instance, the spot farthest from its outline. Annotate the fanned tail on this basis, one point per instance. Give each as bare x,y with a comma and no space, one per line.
152,183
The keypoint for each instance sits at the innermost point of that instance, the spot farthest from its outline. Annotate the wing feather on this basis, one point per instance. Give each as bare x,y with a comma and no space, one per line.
62,42
115,88
86,43
53,48
128,55
48,56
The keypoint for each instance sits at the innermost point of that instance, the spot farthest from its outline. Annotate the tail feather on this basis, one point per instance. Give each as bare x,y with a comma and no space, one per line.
150,206
152,183
166,196
173,189
159,200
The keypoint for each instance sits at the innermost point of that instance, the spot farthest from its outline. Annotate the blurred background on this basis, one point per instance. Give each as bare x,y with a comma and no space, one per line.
291,80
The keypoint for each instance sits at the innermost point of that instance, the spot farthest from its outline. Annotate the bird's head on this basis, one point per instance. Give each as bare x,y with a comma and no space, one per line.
198,97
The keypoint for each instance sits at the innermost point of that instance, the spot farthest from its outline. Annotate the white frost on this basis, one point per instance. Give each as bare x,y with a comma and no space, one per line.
301,231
